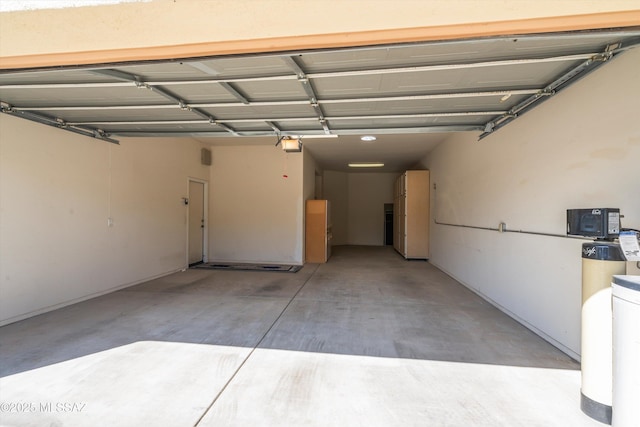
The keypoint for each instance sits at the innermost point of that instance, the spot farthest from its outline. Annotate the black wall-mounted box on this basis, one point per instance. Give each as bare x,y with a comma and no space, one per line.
599,223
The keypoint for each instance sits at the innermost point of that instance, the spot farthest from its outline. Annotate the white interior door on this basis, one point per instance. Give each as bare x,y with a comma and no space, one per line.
196,222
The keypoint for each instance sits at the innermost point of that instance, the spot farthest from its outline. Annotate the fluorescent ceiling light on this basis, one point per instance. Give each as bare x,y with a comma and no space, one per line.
368,138
366,165
315,136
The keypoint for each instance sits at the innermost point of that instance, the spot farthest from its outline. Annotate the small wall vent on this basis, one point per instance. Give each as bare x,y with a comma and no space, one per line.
205,157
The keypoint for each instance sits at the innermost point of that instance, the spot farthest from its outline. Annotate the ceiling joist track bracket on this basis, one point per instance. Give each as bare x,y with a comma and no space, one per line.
309,90
57,123
556,86
273,126
290,102
235,92
120,75
309,132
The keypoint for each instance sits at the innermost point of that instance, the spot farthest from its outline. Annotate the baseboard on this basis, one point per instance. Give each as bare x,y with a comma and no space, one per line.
575,356
83,298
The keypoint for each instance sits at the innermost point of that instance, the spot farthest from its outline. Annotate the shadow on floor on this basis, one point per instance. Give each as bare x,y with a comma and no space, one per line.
366,301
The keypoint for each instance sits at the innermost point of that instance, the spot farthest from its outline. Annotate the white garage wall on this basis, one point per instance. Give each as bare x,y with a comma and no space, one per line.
336,190
57,190
357,205
579,149
368,192
256,214
309,182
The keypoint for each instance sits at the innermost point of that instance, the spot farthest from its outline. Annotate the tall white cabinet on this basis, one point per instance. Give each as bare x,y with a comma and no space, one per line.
411,214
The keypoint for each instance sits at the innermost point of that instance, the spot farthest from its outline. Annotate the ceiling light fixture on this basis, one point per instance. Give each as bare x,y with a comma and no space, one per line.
368,138
366,165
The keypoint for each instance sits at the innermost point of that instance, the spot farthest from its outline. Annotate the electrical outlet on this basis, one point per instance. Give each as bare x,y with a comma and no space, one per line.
109,222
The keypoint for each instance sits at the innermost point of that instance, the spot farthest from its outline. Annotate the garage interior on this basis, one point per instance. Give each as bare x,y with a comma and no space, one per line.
102,139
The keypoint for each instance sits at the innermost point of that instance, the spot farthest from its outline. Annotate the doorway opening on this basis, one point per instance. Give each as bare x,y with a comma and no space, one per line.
388,224
196,222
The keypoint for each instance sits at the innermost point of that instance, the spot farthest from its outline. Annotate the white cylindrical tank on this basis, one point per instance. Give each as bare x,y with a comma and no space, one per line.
626,351
600,262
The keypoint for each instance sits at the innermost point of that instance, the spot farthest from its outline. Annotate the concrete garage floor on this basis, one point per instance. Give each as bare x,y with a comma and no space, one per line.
367,339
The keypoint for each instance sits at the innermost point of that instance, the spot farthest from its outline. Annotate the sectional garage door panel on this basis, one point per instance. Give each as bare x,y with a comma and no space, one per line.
472,84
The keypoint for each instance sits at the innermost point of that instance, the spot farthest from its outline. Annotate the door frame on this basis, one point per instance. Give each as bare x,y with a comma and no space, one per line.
205,238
